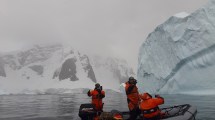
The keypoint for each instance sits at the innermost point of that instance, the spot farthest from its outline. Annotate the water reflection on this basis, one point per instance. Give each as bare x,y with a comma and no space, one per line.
65,107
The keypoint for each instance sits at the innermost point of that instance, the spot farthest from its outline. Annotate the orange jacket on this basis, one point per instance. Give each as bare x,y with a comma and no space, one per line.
132,96
149,106
97,98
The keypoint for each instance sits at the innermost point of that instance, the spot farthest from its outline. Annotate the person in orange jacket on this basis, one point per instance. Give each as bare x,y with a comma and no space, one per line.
149,106
132,98
97,95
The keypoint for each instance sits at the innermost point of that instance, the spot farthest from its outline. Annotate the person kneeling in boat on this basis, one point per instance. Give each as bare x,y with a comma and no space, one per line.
149,106
97,95
132,98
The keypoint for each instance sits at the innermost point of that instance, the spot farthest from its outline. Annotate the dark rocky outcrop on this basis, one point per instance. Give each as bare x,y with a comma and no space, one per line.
68,70
2,71
87,67
37,68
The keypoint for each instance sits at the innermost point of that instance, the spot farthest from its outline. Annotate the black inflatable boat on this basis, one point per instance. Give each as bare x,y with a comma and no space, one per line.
179,112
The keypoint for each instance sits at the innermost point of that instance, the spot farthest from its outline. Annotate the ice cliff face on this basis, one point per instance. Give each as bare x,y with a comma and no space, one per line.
179,56
46,68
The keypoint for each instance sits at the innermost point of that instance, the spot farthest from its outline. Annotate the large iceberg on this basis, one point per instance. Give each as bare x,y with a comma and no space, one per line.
178,57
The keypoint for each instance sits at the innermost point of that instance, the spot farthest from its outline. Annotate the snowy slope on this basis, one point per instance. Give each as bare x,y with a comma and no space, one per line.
179,56
57,69
111,72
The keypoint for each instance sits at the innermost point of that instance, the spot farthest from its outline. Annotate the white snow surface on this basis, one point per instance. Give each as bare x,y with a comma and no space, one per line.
116,71
21,79
181,15
178,57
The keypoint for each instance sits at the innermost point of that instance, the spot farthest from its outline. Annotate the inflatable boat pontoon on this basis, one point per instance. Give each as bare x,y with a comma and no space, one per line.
179,112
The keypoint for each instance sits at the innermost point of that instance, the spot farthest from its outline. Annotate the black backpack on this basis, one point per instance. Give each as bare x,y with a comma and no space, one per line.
87,111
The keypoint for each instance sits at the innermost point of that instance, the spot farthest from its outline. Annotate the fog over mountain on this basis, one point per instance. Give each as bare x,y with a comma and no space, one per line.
38,69
109,28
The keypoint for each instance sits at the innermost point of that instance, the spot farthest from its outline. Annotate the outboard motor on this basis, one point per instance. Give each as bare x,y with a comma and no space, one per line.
87,111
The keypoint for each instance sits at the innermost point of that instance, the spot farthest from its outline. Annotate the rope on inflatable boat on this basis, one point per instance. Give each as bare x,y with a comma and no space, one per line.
192,114
181,110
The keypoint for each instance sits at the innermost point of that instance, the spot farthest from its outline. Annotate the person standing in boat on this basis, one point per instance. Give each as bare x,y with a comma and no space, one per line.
132,98
97,95
149,106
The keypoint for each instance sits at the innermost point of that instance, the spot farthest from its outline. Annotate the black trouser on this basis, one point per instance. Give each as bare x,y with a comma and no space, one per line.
134,113
154,118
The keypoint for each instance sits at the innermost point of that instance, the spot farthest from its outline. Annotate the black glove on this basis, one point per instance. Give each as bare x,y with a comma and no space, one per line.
88,93
100,96
130,88
99,91
157,96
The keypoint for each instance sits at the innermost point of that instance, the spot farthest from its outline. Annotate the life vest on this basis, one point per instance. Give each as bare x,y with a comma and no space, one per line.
118,117
149,106
132,96
97,99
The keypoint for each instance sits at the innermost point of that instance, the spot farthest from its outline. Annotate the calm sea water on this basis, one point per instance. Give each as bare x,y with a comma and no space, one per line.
65,107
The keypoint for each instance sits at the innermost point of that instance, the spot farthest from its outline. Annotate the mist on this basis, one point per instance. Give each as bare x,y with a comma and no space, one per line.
108,28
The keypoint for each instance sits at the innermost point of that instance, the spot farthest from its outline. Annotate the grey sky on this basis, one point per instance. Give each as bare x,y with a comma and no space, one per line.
108,27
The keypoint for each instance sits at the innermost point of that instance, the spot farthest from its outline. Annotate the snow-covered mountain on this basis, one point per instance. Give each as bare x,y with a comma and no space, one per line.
179,55
46,68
